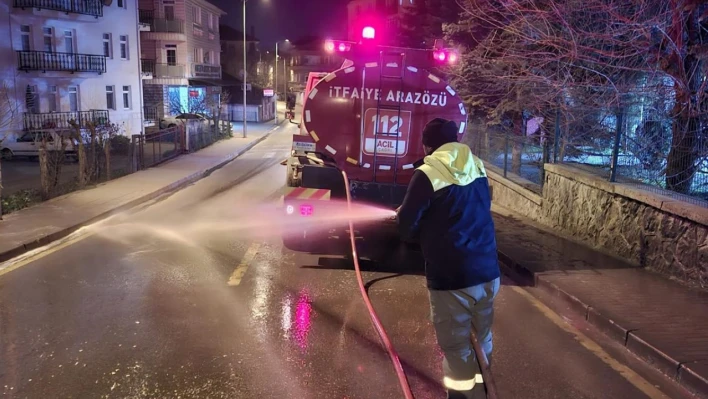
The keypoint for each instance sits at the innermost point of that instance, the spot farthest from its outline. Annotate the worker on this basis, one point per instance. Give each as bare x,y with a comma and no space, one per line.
447,209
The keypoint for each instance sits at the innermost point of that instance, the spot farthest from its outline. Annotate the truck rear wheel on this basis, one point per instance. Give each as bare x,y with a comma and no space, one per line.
297,241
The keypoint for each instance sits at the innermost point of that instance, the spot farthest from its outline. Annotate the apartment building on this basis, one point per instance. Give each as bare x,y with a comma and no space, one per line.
384,14
309,55
69,60
180,56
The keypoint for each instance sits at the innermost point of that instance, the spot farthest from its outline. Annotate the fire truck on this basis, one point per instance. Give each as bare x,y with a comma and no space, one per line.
365,118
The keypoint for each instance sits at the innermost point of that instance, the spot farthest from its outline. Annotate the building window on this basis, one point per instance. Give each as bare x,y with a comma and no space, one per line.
110,98
123,47
196,15
31,100
107,45
121,3
126,97
73,98
211,21
171,54
53,99
196,55
207,57
169,8
69,41
26,37
48,39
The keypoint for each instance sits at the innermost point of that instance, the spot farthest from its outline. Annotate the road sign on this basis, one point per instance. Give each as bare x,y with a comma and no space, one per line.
268,92
390,136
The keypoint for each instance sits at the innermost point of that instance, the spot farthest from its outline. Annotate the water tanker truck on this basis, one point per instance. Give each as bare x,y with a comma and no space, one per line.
366,119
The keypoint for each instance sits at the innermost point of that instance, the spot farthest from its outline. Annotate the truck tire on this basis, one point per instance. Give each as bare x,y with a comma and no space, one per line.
6,154
295,240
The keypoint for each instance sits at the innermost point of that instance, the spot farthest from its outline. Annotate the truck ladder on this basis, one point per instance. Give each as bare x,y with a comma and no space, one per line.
399,59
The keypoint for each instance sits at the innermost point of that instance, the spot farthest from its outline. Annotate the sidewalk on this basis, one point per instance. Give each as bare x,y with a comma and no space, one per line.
49,221
657,319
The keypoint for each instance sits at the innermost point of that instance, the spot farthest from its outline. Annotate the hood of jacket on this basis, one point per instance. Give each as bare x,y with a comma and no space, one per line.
452,163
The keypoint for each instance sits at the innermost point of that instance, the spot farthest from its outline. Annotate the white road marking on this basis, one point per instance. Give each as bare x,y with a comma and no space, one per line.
269,155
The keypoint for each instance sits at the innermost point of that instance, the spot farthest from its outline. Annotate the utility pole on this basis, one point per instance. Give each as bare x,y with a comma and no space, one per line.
245,72
275,87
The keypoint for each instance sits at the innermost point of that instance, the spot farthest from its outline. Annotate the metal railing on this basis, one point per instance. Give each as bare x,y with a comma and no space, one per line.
68,62
84,7
64,120
152,149
206,71
150,113
146,16
147,66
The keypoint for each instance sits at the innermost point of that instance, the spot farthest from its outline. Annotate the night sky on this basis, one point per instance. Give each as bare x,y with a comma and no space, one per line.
287,19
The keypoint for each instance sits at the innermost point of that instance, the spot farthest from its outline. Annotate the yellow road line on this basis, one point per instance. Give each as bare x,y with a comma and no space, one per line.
633,378
241,269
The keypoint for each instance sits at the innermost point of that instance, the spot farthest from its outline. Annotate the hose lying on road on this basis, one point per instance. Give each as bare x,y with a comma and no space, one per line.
372,313
405,386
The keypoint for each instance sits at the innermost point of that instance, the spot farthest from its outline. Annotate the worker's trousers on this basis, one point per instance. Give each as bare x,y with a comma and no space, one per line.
454,313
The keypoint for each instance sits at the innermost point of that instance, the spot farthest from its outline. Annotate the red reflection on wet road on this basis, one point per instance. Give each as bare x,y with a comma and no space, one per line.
303,319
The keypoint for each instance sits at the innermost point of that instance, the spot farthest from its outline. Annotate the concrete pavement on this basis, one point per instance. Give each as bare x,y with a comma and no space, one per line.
36,226
141,306
661,321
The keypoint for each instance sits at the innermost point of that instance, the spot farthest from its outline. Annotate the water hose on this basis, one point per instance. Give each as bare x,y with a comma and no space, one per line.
405,386
403,381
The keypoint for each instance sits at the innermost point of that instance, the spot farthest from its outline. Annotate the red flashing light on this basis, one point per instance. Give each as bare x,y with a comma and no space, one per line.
332,46
368,33
446,55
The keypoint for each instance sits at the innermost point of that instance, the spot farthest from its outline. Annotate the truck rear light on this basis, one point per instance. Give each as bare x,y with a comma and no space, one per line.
329,45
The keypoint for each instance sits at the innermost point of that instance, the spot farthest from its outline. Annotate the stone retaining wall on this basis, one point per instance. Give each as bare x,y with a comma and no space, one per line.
645,228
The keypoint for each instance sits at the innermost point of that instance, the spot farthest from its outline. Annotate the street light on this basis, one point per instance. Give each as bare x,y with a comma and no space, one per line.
245,72
275,87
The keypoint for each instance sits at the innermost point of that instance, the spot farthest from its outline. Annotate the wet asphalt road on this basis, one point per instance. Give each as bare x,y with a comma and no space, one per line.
143,309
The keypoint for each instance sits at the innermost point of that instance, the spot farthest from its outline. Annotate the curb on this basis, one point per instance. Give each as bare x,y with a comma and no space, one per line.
681,373
194,177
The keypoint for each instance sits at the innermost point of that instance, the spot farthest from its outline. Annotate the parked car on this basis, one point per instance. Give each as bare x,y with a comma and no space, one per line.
172,121
28,144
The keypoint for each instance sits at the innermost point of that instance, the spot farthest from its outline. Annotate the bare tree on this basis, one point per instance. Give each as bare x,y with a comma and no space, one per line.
589,59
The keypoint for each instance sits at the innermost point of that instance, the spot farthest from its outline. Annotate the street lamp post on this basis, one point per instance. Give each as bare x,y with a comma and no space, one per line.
245,72
275,87
285,94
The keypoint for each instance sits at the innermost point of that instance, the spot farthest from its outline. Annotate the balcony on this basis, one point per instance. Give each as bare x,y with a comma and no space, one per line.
160,28
62,120
162,71
83,7
206,71
65,62
145,18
